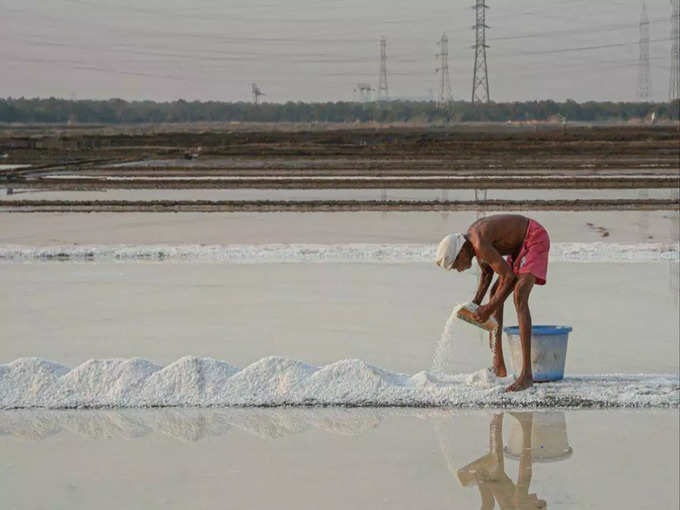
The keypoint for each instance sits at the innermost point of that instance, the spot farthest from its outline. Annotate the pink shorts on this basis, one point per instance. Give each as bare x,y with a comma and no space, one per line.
533,255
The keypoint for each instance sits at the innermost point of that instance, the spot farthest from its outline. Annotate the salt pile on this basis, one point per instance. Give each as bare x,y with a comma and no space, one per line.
316,253
275,381
197,380
103,383
29,382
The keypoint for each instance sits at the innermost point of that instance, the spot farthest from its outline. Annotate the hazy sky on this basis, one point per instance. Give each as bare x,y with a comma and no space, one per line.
318,50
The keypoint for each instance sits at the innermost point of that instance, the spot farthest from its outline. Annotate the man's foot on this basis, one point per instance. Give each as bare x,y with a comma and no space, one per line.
520,384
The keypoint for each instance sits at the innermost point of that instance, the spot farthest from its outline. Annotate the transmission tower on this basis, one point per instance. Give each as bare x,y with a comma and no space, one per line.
383,92
480,79
443,70
256,92
644,81
674,89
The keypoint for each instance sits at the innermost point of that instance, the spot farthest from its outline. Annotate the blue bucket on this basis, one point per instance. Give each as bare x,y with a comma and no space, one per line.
548,351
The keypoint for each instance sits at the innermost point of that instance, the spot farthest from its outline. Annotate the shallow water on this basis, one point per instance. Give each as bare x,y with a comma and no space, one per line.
389,315
328,228
337,458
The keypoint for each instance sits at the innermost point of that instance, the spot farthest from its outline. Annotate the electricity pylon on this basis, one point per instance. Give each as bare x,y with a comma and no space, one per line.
674,88
480,79
443,70
383,91
644,85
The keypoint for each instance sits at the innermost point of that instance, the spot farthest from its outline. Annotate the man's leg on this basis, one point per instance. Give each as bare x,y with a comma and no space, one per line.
523,288
496,339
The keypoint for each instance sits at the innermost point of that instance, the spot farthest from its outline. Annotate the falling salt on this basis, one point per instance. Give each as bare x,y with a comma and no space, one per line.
442,361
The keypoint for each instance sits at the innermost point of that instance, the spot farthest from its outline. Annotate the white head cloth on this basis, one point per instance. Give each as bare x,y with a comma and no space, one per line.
448,250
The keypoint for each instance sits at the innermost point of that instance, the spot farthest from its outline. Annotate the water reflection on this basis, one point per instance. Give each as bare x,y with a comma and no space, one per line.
533,437
674,266
643,222
190,424
444,213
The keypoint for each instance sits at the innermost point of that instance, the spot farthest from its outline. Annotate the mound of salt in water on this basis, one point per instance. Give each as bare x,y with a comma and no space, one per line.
270,379
189,380
274,381
351,380
28,381
106,382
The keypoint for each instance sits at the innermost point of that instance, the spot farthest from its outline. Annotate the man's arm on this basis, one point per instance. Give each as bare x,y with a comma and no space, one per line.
484,281
487,253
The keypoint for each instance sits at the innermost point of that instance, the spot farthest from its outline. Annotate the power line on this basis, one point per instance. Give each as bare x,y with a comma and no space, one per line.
572,31
578,48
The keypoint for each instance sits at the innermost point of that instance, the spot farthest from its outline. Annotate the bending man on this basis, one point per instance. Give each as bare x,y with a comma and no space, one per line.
525,245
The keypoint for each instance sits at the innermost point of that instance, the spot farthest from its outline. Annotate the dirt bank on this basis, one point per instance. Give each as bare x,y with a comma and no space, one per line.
328,205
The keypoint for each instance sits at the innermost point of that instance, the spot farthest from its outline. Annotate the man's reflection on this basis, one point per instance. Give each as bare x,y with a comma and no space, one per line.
488,472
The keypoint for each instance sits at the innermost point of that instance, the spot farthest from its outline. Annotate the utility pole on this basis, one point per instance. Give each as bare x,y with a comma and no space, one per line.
443,70
383,91
674,88
480,79
644,81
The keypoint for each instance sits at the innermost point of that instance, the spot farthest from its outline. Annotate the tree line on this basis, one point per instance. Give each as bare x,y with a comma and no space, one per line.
118,111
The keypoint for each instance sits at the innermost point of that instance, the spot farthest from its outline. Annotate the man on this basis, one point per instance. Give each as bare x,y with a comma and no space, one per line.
525,244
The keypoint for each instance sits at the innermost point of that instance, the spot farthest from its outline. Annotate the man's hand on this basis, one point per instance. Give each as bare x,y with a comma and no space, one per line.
482,313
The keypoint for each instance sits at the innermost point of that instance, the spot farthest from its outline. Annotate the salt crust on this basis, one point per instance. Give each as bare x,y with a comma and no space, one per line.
317,253
276,381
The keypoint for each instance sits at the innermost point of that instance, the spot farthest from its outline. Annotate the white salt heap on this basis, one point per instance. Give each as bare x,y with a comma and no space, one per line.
274,381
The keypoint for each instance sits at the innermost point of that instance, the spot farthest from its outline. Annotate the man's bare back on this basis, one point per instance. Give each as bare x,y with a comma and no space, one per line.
505,232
